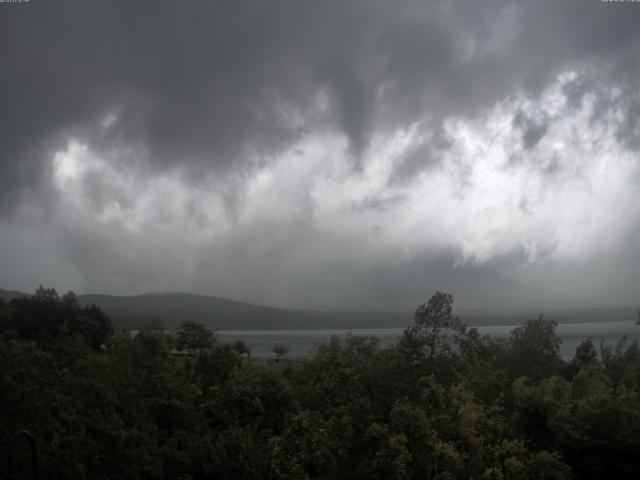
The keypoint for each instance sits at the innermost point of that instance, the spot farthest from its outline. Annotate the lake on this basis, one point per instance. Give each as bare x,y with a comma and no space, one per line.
301,342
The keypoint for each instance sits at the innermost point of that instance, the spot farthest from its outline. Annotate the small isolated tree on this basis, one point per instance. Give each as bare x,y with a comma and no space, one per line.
241,348
280,351
435,328
192,337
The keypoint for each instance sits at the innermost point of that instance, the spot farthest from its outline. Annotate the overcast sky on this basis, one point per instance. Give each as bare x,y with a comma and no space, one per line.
323,154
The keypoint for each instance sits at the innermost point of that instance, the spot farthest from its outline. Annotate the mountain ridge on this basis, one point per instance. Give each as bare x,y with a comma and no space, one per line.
170,309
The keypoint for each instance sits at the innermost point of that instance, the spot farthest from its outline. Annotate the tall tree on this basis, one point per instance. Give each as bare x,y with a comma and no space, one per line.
535,349
435,328
192,337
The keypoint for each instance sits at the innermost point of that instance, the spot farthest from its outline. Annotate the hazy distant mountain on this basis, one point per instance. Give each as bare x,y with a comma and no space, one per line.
224,314
220,313
7,295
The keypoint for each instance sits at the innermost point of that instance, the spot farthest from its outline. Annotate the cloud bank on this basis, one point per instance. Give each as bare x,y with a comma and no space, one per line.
333,154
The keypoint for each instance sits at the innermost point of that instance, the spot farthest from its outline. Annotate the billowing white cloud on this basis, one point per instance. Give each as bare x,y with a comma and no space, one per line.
490,194
321,152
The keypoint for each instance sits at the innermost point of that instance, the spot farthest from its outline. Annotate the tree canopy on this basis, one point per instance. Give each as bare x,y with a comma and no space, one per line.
193,336
46,316
458,406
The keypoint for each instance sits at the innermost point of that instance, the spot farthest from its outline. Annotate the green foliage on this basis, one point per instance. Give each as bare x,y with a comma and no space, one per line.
241,348
444,403
280,351
622,362
586,356
193,336
45,317
214,366
435,329
535,350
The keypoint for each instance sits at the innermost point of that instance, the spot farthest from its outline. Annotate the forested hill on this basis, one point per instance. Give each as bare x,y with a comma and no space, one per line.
172,308
220,313
223,314
7,295
442,402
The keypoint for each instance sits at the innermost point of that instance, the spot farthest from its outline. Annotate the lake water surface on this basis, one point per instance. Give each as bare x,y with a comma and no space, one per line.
302,342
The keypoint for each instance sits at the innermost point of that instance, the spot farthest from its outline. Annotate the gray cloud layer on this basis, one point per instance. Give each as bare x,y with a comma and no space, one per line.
251,149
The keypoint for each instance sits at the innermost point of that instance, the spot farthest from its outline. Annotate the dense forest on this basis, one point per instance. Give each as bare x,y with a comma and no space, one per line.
442,403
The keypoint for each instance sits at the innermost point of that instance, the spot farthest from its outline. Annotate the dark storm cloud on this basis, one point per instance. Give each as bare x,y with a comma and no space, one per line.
203,81
532,130
378,203
196,90
422,155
